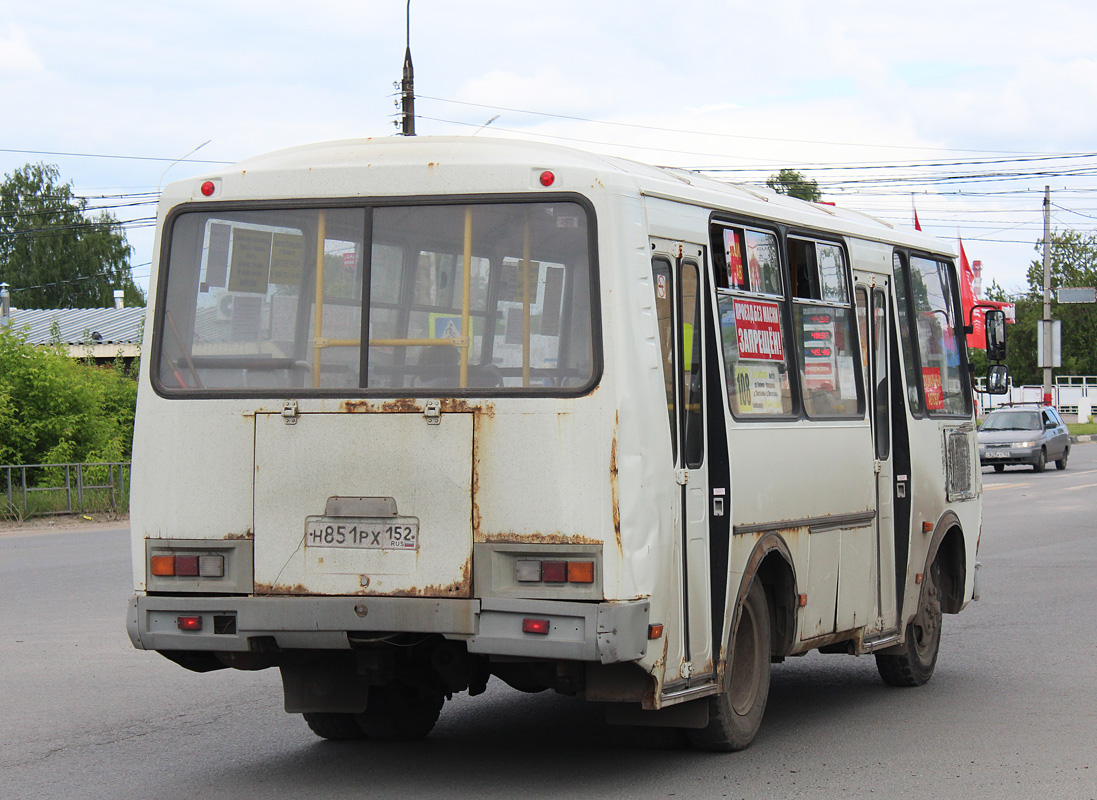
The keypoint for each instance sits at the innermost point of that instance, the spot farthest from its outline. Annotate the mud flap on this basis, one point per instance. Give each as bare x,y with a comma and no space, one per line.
332,685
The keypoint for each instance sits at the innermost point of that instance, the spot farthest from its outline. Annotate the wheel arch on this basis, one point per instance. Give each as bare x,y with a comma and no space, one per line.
771,563
947,548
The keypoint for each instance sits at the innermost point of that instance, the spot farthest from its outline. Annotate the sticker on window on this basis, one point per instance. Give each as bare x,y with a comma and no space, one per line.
758,330
935,394
758,389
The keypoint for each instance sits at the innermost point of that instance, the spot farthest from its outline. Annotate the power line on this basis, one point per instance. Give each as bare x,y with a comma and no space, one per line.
693,132
107,155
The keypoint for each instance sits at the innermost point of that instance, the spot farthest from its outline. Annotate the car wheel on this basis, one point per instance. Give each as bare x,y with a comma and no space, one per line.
1041,461
1062,462
736,714
999,467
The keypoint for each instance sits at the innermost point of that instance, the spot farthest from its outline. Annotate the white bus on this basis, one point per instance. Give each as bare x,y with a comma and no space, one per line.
419,411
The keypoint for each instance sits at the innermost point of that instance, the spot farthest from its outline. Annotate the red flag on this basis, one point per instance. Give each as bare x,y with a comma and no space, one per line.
972,315
917,224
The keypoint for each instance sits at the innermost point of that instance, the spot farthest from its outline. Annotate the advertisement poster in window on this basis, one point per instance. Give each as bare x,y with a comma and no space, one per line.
734,258
757,389
935,394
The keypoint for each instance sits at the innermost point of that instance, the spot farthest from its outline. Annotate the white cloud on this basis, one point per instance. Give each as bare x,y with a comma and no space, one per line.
17,55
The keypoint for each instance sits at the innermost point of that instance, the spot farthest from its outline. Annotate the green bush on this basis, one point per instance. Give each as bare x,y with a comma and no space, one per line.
54,409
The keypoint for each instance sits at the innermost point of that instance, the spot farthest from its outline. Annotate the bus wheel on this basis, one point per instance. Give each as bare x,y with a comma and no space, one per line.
736,714
399,712
914,665
334,726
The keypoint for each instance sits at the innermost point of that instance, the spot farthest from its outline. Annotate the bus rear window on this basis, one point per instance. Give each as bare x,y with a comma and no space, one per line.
474,298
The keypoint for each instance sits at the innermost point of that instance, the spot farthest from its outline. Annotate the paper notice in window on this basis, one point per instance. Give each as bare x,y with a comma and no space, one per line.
935,395
250,265
758,330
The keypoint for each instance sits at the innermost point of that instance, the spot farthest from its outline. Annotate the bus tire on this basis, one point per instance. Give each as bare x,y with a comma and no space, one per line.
334,726
735,715
914,665
399,712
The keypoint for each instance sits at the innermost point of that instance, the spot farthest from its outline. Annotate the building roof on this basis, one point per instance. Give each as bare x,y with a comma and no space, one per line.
113,328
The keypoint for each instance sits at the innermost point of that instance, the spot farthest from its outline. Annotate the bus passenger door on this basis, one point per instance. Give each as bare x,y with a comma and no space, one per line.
874,319
679,283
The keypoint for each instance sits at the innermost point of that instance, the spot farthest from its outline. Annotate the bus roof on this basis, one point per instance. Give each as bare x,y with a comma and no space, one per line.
468,165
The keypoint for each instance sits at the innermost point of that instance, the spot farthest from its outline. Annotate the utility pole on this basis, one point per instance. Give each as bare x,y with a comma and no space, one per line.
407,87
1046,321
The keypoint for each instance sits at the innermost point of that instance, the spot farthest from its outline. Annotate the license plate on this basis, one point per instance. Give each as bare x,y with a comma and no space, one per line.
992,454
367,533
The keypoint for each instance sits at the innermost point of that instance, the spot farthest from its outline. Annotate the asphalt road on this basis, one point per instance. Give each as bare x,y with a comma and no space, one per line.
1010,713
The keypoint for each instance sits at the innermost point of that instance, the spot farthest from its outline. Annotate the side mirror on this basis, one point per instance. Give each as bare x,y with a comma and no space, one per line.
995,326
997,378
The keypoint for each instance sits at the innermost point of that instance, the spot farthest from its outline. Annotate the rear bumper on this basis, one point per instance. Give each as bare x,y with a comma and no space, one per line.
603,632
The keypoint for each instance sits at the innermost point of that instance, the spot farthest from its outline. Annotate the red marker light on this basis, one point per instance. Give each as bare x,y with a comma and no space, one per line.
547,178
189,623
208,188
540,626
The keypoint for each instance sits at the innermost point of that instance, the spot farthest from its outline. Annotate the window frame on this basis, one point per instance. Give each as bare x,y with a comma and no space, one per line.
849,305
911,338
720,222
366,205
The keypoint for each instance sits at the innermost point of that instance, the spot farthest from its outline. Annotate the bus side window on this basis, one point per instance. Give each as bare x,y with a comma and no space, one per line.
906,333
753,324
824,322
664,312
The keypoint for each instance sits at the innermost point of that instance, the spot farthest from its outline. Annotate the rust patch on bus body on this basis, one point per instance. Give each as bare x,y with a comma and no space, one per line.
535,538
459,588
266,589
236,536
401,405
613,486
410,405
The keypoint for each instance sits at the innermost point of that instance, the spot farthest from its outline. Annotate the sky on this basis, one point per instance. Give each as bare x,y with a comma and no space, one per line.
965,110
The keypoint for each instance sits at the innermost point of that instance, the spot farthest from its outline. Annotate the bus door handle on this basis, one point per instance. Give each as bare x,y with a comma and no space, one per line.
901,486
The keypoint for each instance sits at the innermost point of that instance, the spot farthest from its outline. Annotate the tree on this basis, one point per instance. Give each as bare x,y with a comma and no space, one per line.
795,184
53,252
54,409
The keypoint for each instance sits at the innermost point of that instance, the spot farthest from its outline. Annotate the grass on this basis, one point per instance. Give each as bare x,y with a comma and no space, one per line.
1083,427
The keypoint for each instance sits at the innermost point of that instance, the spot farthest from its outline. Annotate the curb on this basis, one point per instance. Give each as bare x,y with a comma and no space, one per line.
1082,438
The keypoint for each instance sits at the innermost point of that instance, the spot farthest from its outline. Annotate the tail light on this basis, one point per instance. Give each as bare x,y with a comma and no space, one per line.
188,566
553,571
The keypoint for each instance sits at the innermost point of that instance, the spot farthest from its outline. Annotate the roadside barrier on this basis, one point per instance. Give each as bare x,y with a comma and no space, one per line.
37,490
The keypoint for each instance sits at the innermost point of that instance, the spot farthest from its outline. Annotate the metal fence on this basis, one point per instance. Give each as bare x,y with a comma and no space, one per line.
35,490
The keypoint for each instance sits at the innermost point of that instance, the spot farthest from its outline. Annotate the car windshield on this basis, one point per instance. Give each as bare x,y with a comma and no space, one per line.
1012,421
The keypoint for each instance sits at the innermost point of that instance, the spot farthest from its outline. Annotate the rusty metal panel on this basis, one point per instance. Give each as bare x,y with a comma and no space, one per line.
817,617
426,469
857,579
